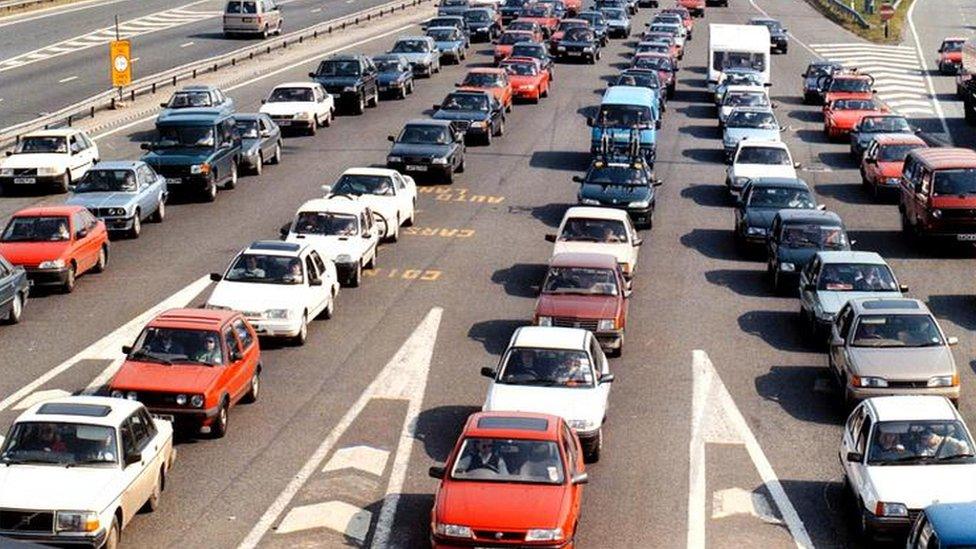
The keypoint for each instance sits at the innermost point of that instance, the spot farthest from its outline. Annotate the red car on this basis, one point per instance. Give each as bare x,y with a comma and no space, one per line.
541,14
192,364
848,86
514,479
538,35
841,115
696,7
883,160
674,50
665,65
564,26
495,81
529,81
55,244
504,43
949,60
686,17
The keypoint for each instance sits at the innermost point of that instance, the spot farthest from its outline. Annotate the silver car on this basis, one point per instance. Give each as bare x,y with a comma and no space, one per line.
123,194
891,346
252,17
421,52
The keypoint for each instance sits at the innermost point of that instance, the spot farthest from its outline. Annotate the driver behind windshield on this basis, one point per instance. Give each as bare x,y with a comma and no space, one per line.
465,102
595,230
249,269
547,367
326,224
106,181
571,280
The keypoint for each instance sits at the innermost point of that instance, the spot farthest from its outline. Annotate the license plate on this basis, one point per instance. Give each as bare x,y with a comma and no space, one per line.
416,168
283,123
173,181
966,237
247,20
25,180
383,88
574,53
168,417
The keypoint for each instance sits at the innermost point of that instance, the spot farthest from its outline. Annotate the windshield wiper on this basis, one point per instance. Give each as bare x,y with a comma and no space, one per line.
955,456
86,462
142,353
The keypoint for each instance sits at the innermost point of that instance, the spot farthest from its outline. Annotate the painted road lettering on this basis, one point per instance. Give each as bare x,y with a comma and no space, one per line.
427,275
445,193
442,232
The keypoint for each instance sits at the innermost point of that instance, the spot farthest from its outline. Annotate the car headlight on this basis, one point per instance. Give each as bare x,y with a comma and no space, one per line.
937,214
116,211
438,161
544,534
343,258
181,400
49,170
478,124
52,264
583,424
77,521
200,168
394,159
132,395
454,530
944,381
303,116
561,48
277,314
349,89
756,231
196,401
117,394
869,381
544,321
885,509
787,266
893,181
605,324
588,49
639,204
589,201
825,316
6,171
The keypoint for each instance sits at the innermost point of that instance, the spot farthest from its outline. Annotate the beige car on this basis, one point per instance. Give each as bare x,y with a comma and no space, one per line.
891,346
261,17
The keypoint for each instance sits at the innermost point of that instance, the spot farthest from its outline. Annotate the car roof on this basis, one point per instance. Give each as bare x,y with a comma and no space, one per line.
81,409
297,85
953,522
193,319
628,95
486,70
899,139
852,76
763,19
942,158
192,115
590,212
912,407
117,165
825,63
53,132
428,122
745,88
809,216
791,182
476,426
519,32
549,337
344,56
954,39
478,91
891,305
334,205
746,143
56,210
276,247
197,87
850,256
752,109
370,171
443,27
413,37
578,259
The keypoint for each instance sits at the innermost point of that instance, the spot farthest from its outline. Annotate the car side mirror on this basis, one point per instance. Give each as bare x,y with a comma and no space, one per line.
436,106
163,104
126,349
855,457
284,230
822,207
952,340
369,234
551,237
606,378
82,233
263,101
782,129
590,122
436,471
657,183
11,153
391,138
133,457
903,288
457,84
774,105
578,178
326,189
315,282
143,146
810,287
459,136
216,277
488,372
797,165
311,75
581,478
265,133
871,160
236,356
836,341
638,241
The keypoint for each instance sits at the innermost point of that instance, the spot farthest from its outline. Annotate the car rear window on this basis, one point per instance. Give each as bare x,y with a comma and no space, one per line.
242,7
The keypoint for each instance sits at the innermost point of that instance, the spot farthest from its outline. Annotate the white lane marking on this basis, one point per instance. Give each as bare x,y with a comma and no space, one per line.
190,43
925,70
793,36
68,79
40,396
364,458
346,519
133,60
848,45
316,10
736,501
403,377
109,347
716,419
55,10
304,61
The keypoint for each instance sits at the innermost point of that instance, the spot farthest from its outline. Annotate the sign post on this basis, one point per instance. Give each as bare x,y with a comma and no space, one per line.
886,12
120,58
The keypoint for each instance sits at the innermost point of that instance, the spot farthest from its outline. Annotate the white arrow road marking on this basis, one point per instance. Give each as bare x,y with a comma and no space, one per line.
716,419
340,516
403,378
364,458
40,396
736,501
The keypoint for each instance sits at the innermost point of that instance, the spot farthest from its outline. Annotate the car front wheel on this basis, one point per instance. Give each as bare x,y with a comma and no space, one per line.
591,453
219,427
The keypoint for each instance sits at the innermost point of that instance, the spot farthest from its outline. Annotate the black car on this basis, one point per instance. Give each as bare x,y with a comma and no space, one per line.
14,288
759,202
511,9
795,237
620,183
537,51
351,79
813,79
644,78
579,43
477,113
482,24
427,146
394,75
779,37
597,23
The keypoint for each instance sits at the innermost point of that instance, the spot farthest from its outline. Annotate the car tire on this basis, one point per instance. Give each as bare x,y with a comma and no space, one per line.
501,127
592,452
276,157
160,214
113,536
16,309
210,193
102,261
395,237
461,167
488,137
375,100
313,128
254,390
329,310
410,88
136,229
356,277
544,92
302,336
65,183
232,182
360,106
258,165
69,283
219,427
152,502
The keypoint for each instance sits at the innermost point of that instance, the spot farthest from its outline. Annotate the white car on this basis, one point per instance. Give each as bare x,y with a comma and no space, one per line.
742,96
279,287
387,192
300,105
599,230
341,229
901,454
559,371
76,470
756,158
56,158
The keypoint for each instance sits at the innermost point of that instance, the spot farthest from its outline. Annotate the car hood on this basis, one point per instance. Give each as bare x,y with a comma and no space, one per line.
135,375
451,10
448,44
525,80
390,77
734,135
501,505
955,56
176,156
329,247
30,254
812,83
568,403
864,138
831,302
409,149
33,160
574,43
416,57
101,199
287,107
797,256
578,306
250,146
442,114
615,194
763,170
918,486
622,251
335,81
622,135
52,487
891,169
901,363
503,50
244,296
473,25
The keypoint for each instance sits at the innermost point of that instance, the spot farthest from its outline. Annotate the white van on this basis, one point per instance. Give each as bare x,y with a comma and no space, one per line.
740,46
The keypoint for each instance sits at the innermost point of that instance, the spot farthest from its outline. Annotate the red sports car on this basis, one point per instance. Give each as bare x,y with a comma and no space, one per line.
848,86
529,81
883,160
841,115
950,55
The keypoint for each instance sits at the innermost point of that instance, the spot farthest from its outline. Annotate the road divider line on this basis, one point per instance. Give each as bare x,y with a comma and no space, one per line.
925,71
68,79
187,44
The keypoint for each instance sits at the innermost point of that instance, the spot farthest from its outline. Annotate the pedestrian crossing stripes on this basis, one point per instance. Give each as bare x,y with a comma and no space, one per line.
898,74
151,23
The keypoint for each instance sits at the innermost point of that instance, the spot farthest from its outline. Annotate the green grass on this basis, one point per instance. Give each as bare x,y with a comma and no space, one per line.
876,32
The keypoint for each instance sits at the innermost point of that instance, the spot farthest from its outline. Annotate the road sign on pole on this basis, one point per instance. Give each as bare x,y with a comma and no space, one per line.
119,54
886,12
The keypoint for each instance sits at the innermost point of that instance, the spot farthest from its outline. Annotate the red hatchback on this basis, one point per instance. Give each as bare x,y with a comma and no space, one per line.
55,244
884,159
514,479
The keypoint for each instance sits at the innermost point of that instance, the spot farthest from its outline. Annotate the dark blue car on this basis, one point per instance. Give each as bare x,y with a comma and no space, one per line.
14,288
795,237
622,183
395,76
945,526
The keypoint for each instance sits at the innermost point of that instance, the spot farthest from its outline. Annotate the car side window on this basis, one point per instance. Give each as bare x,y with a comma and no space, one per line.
925,182
862,436
569,446
232,346
147,175
401,183
319,264
243,334
313,271
149,423
4,271
364,220
73,145
854,423
846,320
599,359
88,220
127,437
140,431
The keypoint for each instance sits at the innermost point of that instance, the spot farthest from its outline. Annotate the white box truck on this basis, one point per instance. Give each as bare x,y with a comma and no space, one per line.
745,46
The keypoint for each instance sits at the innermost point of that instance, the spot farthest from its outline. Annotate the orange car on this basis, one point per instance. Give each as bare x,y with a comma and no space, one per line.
841,115
55,244
696,7
495,81
949,60
883,160
192,364
529,81
504,43
846,86
538,35
514,479
686,18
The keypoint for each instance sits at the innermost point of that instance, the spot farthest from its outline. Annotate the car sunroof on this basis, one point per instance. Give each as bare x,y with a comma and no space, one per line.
521,423
890,304
69,409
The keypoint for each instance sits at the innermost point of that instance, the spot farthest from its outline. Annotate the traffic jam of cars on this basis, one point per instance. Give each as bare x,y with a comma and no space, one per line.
516,475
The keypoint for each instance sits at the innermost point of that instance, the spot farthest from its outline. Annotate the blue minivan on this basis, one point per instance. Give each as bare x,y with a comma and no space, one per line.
944,526
623,111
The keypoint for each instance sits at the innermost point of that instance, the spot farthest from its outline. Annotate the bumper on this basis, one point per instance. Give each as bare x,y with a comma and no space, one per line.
961,236
422,68
622,32
189,182
440,543
32,180
47,277
117,223
95,540
294,123
609,341
184,414
247,28
752,239
781,45
887,526
476,133
949,67
862,393
421,169
275,328
527,94
391,87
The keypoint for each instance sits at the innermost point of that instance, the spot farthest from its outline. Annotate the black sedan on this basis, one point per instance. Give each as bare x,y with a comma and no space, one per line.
795,237
477,113
395,76
621,184
428,147
761,199
779,37
14,288
579,43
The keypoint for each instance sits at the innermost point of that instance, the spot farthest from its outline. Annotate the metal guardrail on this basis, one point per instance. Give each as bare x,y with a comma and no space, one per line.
171,77
853,14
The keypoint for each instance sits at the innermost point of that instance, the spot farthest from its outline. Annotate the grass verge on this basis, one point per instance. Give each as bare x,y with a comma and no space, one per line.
875,33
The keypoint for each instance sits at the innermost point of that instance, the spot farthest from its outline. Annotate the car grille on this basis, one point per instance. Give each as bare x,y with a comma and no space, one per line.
461,125
26,521
908,384
172,171
282,117
25,171
570,322
499,536
416,160
574,48
101,212
164,400
333,90
959,214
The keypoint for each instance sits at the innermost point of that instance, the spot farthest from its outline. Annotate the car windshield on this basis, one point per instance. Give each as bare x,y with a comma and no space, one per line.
185,99
626,116
420,134
549,367
856,277
656,63
100,181
247,129
653,47
616,175
642,79
884,124
581,281
567,24
476,16
814,236
507,460
287,95
178,346
952,46
37,229
389,65
773,26
742,79
514,3
535,10
60,443
465,102
338,67
581,229
266,269
745,99
664,27
454,3
780,198
773,156
851,85
511,38
578,34
242,7
751,119
410,46
613,13
896,153
326,224
722,60
920,442
955,182
816,71
360,184
594,19
41,144
442,35
184,136
853,105
521,69
528,50
483,80
896,330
